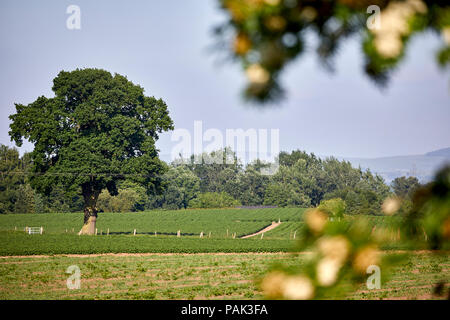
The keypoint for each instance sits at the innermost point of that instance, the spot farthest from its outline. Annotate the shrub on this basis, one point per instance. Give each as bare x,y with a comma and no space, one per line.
334,207
213,200
126,201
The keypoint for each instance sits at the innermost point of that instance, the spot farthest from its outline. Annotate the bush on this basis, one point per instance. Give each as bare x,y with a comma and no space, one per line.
126,201
213,200
334,207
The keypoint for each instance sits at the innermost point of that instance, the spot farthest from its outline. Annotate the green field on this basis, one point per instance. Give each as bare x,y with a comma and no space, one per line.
191,276
189,222
15,243
217,225
122,265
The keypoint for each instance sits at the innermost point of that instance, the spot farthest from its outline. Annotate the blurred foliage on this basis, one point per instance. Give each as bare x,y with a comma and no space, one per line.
345,252
343,255
430,214
266,35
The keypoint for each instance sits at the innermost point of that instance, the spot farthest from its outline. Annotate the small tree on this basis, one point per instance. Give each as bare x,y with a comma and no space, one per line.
98,130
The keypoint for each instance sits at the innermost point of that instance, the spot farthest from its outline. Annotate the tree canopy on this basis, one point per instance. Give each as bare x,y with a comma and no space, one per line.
404,187
303,180
97,130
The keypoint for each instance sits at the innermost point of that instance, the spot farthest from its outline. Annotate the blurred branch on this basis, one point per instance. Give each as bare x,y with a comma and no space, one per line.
265,35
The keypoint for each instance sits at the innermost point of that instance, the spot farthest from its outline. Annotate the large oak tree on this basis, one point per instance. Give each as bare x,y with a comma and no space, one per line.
98,129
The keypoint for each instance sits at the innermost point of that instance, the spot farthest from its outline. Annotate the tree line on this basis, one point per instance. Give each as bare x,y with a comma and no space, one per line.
302,180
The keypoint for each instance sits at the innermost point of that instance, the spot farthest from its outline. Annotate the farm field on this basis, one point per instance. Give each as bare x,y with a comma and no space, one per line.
19,243
217,225
189,222
163,266
191,276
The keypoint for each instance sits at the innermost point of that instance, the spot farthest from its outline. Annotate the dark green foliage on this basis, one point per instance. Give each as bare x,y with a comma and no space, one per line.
305,180
285,195
215,170
213,200
181,186
430,213
16,194
251,186
404,187
11,178
25,199
99,129
245,185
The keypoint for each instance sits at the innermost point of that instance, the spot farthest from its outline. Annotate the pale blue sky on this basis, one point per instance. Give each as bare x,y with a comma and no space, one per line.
163,46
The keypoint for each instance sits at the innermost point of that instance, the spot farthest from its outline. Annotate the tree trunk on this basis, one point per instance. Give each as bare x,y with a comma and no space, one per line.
90,210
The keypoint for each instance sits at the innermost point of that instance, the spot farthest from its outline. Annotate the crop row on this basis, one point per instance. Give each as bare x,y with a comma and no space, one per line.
18,243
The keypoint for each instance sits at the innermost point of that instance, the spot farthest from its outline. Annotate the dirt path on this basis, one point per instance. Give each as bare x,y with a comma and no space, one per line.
272,226
3,259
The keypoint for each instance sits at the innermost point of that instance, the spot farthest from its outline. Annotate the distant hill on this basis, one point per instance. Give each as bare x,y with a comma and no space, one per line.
440,153
421,166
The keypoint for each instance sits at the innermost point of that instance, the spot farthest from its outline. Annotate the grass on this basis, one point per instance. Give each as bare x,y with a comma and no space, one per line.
186,276
414,278
190,276
286,230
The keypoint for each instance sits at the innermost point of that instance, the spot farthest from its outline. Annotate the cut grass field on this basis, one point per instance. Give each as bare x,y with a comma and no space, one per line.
191,276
